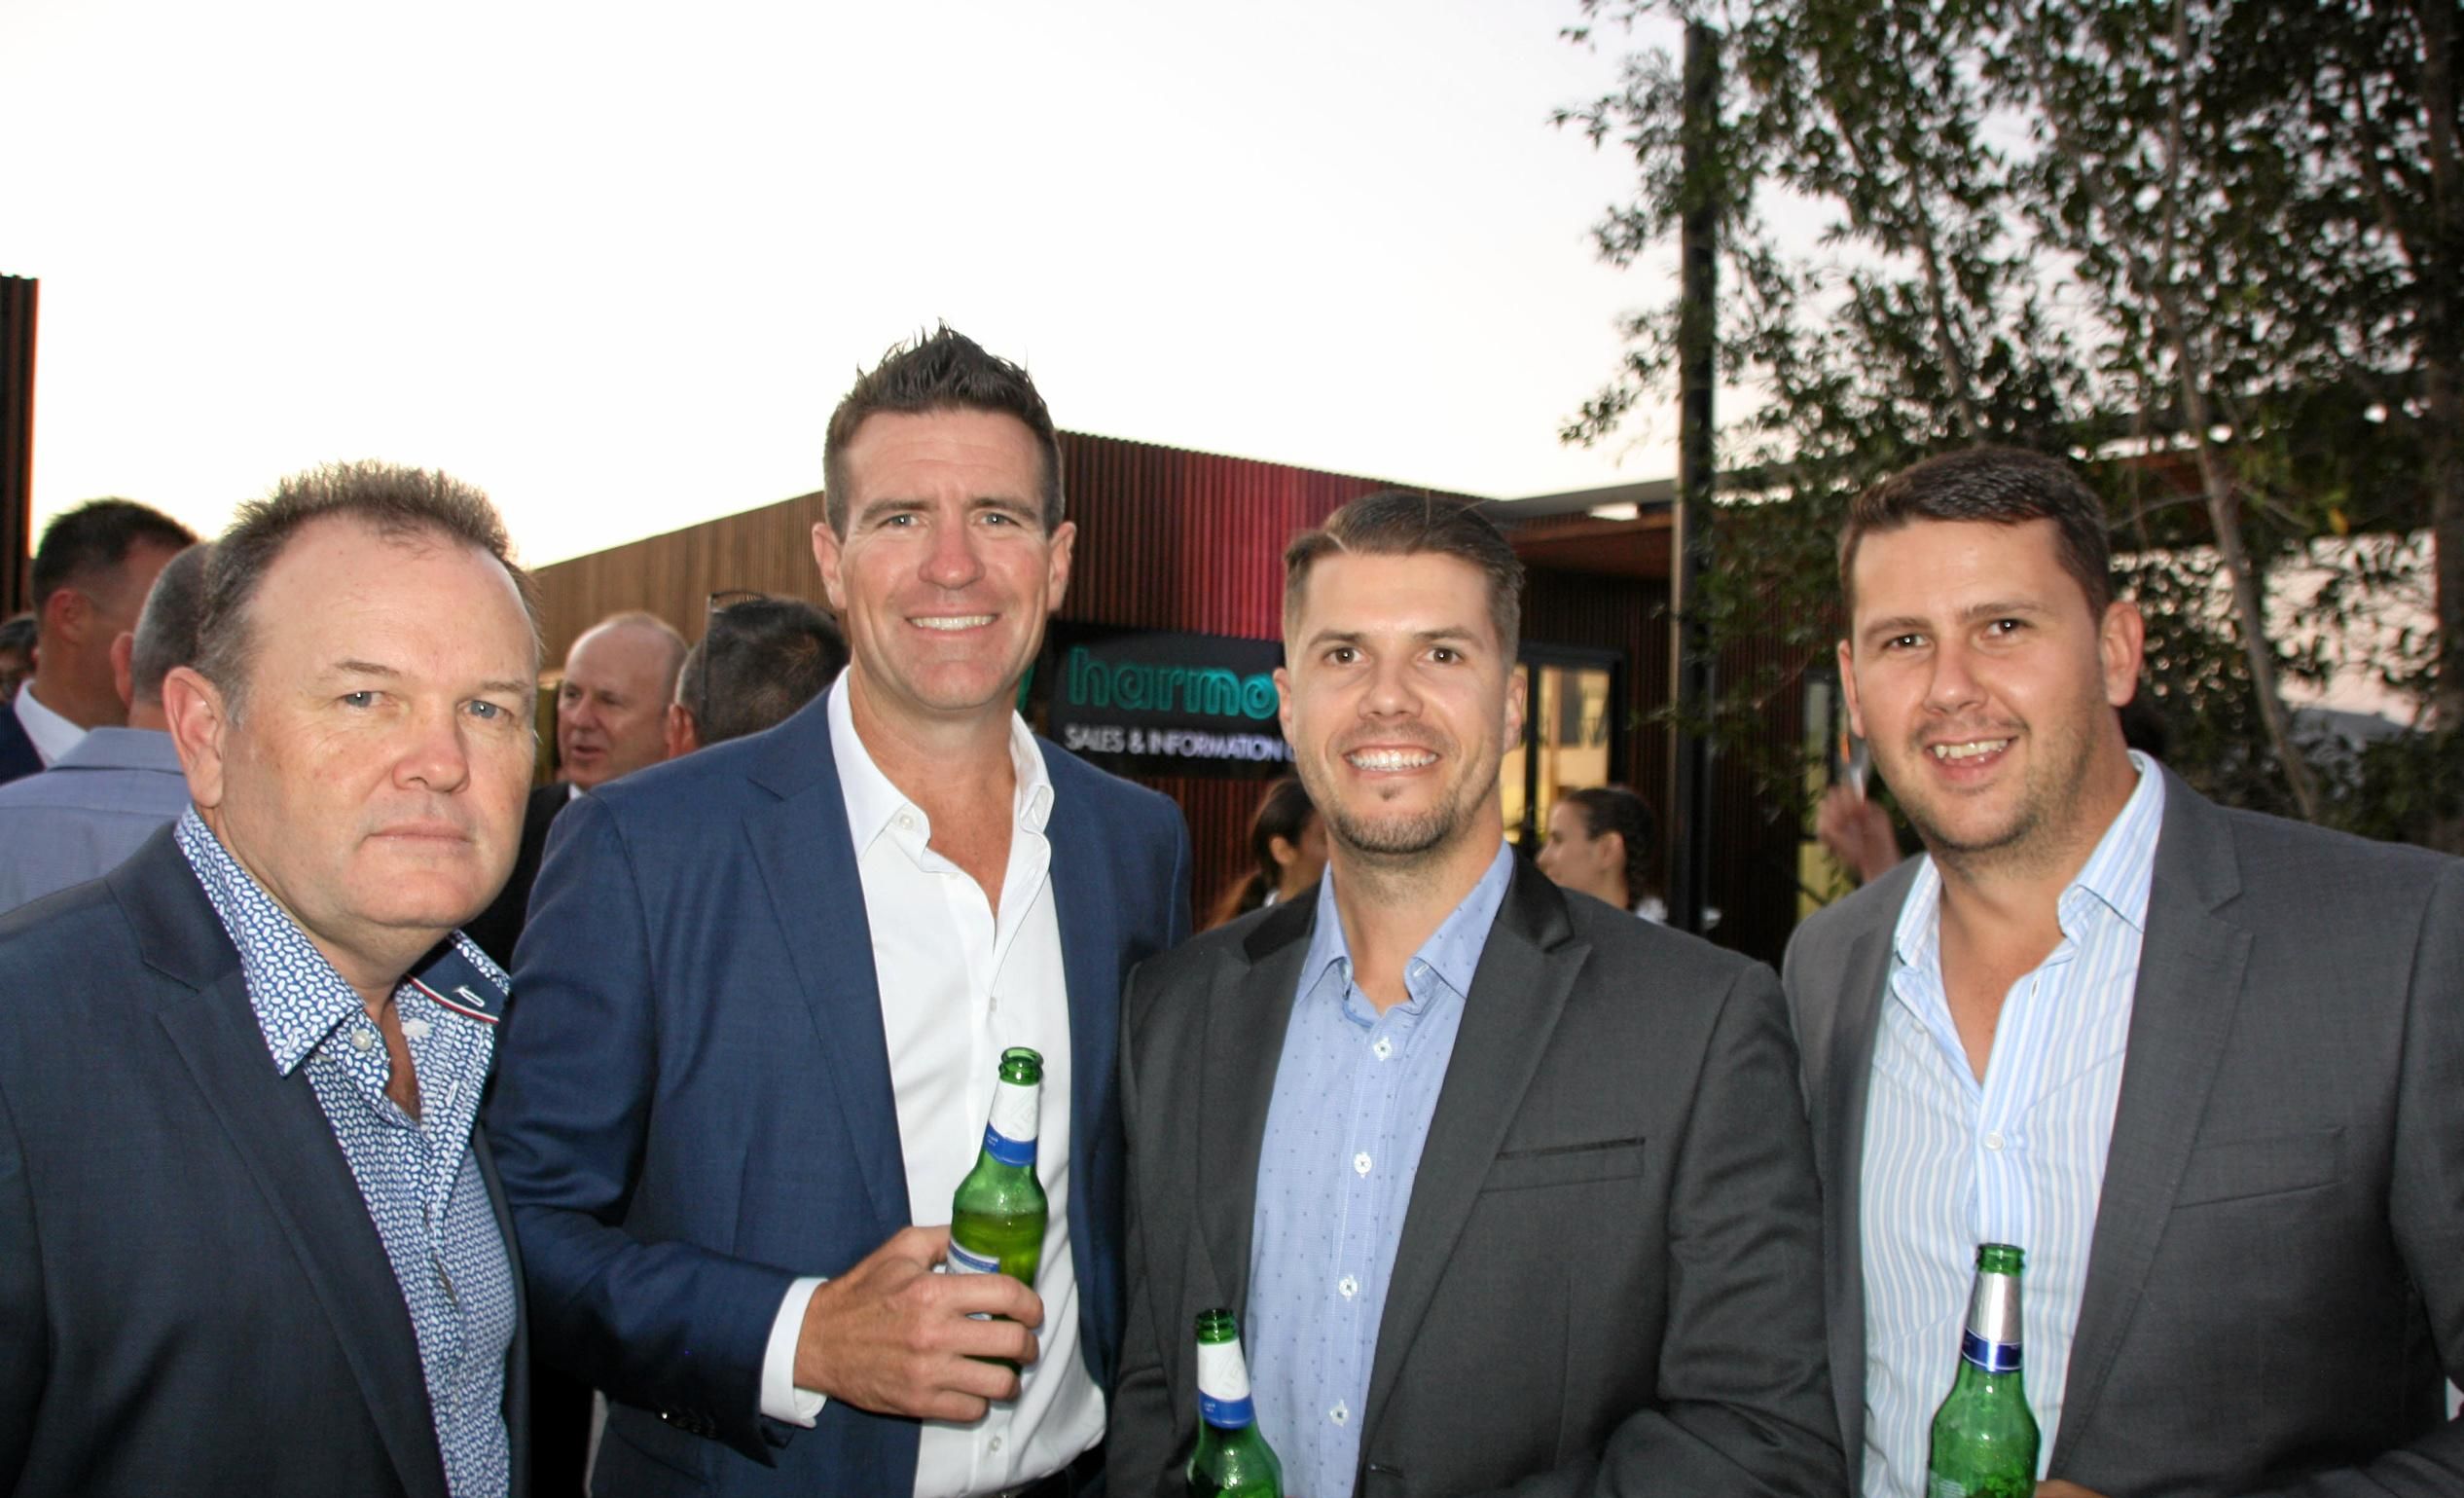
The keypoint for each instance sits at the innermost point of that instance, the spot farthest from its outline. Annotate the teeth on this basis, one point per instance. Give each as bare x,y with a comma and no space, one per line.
1391,759
956,622
1969,750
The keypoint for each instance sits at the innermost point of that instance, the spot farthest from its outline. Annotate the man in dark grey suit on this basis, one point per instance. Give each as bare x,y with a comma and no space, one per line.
2206,1067
250,1241
1507,1186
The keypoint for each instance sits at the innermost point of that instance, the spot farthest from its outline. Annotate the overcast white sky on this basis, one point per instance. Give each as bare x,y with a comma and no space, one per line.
614,261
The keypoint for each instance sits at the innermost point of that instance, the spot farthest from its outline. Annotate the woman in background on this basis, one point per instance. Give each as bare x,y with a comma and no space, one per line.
1288,853
1602,841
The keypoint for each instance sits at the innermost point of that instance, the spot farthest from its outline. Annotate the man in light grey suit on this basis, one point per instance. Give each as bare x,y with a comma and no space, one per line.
2206,1067
1507,1186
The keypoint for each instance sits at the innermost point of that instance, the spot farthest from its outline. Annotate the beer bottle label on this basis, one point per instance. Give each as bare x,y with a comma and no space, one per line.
1009,1137
1224,1386
965,1260
1991,1357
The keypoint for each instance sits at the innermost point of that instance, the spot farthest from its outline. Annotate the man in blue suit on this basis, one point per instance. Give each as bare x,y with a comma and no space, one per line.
764,989
250,1240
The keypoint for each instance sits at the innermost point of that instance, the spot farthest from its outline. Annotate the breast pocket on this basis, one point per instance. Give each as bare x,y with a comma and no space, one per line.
1601,1159
2225,1170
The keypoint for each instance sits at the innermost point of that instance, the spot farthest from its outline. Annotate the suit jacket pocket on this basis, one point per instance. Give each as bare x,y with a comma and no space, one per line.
2227,1170
1600,1159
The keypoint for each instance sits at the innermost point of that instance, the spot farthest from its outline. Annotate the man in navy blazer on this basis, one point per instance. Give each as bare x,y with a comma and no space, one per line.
250,1239
764,988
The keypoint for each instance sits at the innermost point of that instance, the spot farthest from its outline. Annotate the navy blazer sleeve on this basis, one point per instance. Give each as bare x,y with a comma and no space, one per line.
662,1323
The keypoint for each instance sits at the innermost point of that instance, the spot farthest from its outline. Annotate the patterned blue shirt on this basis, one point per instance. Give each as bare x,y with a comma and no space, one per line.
1353,1093
2019,1157
417,1176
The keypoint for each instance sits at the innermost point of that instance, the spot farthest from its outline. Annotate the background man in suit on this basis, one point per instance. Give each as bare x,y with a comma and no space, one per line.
610,718
76,819
766,986
759,660
2203,1065
249,1240
1444,1117
92,570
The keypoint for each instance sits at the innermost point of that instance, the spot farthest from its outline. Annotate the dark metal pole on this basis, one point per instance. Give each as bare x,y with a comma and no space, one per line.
1689,643
16,439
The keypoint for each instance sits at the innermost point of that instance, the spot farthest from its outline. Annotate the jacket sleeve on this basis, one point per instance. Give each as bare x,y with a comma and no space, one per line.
669,1325
1139,1438
22,1335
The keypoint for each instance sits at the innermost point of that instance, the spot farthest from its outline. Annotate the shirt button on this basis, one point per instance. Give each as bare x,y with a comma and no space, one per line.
361,1040
1347,1287
1360,1163
993,1444
1384,1047
1340,1414
1993,1141
906,824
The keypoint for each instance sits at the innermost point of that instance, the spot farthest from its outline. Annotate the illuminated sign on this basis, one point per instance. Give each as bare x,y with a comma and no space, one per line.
1163,703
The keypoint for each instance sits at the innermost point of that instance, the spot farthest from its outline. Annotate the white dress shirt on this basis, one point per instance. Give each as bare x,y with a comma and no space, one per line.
2018,1158
958,985
54,735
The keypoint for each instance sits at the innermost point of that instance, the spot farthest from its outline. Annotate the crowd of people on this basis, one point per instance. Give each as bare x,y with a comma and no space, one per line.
362,1109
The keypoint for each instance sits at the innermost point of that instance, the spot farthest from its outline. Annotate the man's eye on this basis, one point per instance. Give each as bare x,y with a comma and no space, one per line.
1342,655
487,709
1446,654
1903,642
359,699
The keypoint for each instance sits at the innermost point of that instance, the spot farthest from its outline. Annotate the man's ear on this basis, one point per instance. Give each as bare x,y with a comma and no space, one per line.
1848,691
200,722
123,680
684,736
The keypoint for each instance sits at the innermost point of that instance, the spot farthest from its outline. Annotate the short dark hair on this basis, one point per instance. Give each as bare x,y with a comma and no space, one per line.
17,633
1404,523
760,659
95,538
167,631
2000,486
1608,809
399,503
939,371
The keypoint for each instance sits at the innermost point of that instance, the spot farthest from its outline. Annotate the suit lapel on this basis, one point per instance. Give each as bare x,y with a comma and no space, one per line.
807,857
1086,907
275,1126
1248,1007
2190,966
1847,1092
1526,972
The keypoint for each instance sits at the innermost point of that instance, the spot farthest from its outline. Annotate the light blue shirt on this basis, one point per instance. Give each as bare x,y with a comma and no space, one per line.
1952,1162
79,818
1353,1093
419,1178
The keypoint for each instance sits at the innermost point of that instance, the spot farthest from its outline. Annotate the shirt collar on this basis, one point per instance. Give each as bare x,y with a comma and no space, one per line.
1452,952
2118,873
122,748
873,801
52,734
297,995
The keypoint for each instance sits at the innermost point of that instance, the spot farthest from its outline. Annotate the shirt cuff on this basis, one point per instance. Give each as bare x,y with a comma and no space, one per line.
780,1398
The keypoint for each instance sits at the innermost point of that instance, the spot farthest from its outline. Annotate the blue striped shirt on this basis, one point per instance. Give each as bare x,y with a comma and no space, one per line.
1353,1093
1950,1162
419,1178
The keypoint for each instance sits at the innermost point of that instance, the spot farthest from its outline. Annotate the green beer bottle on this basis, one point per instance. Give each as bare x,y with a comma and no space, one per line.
1231,1457
996,1219
1985,1434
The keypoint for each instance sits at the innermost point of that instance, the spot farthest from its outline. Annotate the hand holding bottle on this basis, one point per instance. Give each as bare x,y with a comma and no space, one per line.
890,1336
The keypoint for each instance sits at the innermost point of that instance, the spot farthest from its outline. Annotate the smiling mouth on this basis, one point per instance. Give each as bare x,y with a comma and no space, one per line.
1973,749
949,623
1390,760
